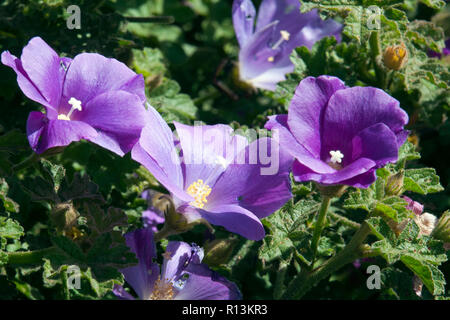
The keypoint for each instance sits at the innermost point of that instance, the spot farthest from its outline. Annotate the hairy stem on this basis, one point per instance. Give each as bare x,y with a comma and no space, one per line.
320,223
28,257
304,282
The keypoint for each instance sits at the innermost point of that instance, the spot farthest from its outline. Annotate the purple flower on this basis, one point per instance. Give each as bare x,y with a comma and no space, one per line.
215,175
90,97
340,135
414,206
280,28
183,276
445,51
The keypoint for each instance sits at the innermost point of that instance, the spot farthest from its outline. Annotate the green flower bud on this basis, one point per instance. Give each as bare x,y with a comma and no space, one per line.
442,230
394,184
331,191
218,252
64,217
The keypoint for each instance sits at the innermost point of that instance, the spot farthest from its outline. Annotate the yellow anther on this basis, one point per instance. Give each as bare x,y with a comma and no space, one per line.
63,117
199,191
285,35
270,59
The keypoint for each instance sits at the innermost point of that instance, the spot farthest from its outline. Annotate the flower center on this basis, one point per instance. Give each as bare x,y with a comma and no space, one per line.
162,290
199,191
76,105
284,37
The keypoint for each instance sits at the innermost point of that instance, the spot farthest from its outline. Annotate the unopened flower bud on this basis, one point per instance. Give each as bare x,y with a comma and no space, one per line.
394,184
395,57
217,252
442,230
332,190
64,217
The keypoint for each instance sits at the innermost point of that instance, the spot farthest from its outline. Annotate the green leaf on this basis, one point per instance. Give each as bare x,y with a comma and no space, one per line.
8,204
430,275
422,181
10,229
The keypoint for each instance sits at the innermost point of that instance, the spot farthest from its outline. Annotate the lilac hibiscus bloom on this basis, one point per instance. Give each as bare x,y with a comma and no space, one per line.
280,28
340,135
183,276
90,97
215,175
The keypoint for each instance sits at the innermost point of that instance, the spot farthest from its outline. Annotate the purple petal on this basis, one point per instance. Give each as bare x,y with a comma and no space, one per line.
157,152
356,168
58,133
43,66
151,219
207,151
205,284
307,109
414,206
120,292
143,276
285,11
261,188
235,219
363,180
91,74
180,253
278,126
243,13
352,110
377,143
35,125
119,116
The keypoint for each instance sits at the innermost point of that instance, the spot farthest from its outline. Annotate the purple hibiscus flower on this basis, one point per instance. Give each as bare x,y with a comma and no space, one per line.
90,97
280,28
183,276
215,175
340,135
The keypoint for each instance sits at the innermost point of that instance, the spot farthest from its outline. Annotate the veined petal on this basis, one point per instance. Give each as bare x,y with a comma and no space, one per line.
143,276
177,255
119,116
205,284
235,219
35,125
59,133
243,13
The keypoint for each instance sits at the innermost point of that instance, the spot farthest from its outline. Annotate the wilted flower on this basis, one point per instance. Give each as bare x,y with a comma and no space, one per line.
207,176
90,97
395,57
182,277
280,28
425,221
340,135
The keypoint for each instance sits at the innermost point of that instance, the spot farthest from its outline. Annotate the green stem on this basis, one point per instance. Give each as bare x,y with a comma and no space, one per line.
30,160
304,282
345,221
28,257
320,223
163,233
156,19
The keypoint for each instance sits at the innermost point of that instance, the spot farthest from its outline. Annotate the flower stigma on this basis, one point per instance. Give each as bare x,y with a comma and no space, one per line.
336,156
162,290
199,191
76,105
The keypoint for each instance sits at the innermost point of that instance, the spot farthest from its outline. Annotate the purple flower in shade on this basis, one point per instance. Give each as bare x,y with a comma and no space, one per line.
445,51
215,175
90,97
340,135
152,216
183,276
280,28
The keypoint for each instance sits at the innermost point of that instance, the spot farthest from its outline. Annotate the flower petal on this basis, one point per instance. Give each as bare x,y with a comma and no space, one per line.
205,284
377,143
180,253
156,151
58,133
35,125
120,292
91,74
143,276
307,109
119,116
235,219
207,150
352,110
262,187
243,13
356,168
43,66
